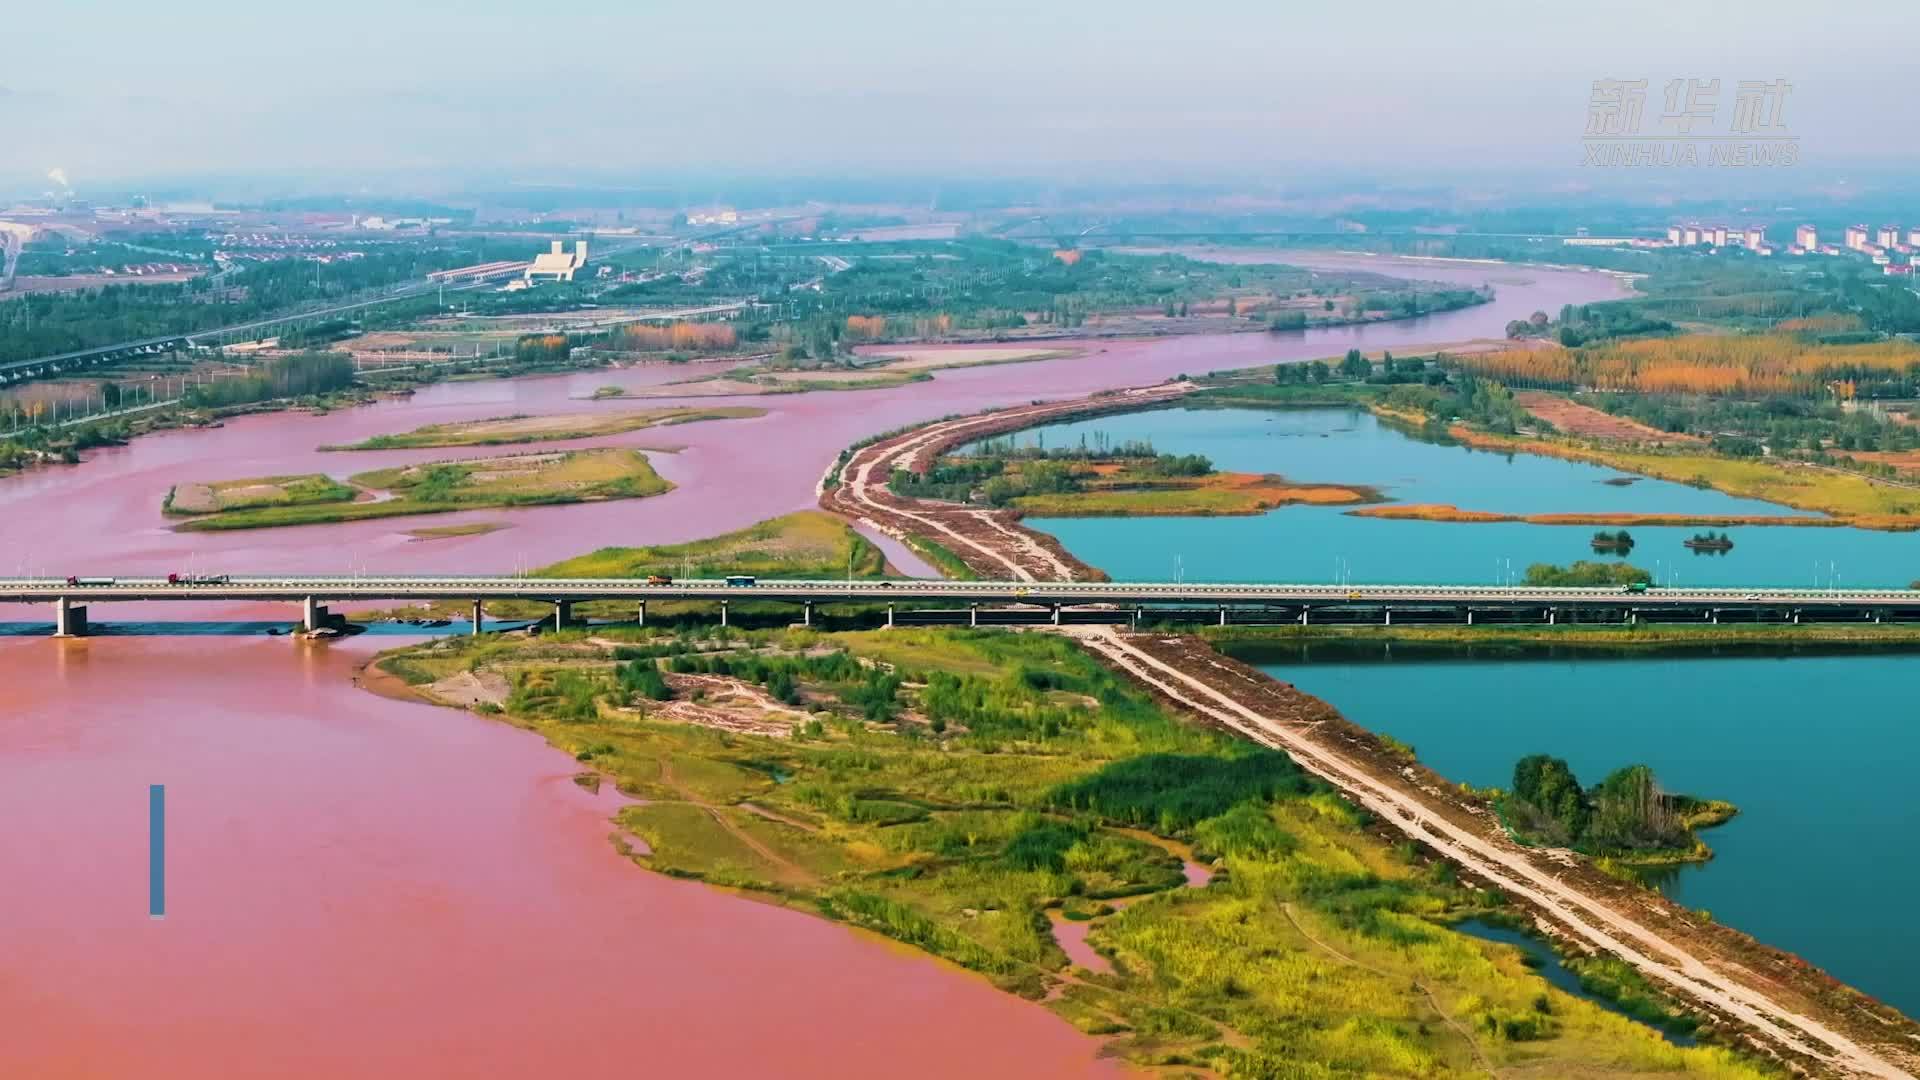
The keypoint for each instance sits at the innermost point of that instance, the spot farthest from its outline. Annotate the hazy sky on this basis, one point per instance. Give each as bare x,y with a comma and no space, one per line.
111,89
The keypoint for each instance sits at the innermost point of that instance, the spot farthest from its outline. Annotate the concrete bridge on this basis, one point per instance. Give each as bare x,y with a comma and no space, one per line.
83,359
20,370
996,602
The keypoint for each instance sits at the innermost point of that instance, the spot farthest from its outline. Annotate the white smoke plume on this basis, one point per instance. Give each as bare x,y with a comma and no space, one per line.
59,176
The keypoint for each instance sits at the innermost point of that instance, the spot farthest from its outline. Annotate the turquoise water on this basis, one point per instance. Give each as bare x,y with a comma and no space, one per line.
1315,544
1824,857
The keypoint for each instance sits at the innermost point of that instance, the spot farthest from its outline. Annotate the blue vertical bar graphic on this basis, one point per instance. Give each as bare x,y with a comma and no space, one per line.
157,850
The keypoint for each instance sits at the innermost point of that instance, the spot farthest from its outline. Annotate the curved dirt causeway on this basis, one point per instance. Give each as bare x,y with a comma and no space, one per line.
990,542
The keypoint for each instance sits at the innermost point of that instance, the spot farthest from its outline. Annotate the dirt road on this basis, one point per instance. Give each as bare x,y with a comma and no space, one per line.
992,543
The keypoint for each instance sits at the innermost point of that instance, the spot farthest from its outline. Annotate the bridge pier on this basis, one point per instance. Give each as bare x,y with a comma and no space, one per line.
806,613
640,613
973,614
1133,619
562,614
479,617
1389,619
1303,615
1469,616
69,618
1550,615
889,616
723,613
313,614
1056,614
1223,614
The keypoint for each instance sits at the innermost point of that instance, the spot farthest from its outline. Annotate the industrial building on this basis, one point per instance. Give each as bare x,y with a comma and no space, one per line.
558,264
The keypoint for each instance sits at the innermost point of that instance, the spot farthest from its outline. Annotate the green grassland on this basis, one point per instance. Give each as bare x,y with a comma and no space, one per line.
306,489
807,544
941,558
950,788
1851,497
443,487
1215,494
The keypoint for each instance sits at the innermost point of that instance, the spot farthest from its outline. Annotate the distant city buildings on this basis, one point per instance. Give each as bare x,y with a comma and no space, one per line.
376,223
1882,245
1693,234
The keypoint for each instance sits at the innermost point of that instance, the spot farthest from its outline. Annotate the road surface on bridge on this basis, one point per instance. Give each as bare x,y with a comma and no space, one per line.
516,587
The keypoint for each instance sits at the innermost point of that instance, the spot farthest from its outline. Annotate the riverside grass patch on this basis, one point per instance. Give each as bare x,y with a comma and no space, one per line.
1855,499
538,479
950,788
223,496
805,544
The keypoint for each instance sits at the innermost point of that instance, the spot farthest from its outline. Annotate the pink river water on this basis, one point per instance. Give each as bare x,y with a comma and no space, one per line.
359,886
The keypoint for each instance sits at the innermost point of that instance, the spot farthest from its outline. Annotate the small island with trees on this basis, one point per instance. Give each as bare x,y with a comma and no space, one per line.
1716,543
1626,817
1618,542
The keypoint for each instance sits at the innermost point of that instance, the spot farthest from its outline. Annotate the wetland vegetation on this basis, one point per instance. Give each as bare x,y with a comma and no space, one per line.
1106,479
805,544
428,488
950,789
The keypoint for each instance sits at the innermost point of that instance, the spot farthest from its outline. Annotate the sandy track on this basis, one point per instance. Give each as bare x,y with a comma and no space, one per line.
991,542
1588,422
1507,866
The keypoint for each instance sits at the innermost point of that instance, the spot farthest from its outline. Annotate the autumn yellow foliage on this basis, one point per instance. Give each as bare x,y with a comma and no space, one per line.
1821,324
866,326
1703,364
875,327
688,336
